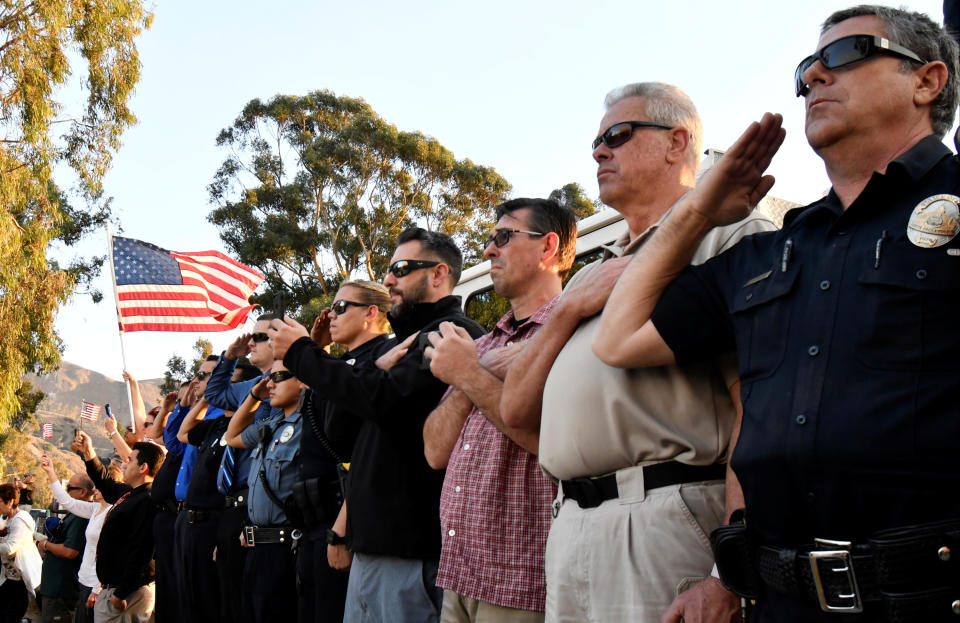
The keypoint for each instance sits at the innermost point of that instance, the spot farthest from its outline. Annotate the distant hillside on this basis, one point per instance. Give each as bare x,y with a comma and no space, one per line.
65,390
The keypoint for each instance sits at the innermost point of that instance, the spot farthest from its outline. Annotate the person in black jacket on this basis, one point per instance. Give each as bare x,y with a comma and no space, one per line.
356,320
125,549
393,495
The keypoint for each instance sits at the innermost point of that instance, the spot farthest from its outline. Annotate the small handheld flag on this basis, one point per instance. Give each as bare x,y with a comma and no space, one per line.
90,412
48,430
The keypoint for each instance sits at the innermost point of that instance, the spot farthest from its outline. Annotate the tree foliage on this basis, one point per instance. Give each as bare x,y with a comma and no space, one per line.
177,369
574,197
38,42
316,188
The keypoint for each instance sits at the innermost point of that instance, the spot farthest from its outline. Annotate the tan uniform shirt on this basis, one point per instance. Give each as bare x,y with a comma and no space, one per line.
598,419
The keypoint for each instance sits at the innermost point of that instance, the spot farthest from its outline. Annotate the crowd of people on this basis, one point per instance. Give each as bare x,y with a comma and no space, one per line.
719,418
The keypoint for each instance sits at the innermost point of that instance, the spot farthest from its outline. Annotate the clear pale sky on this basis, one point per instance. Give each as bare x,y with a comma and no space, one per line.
518,86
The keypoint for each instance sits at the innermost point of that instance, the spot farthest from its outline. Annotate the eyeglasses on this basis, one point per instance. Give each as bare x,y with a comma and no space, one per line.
402,268
619,133
340,306
501,237
147,423
72,488
847,50
202,375
259,337
280,376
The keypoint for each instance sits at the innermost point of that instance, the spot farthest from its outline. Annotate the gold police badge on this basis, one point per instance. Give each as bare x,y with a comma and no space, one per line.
935,221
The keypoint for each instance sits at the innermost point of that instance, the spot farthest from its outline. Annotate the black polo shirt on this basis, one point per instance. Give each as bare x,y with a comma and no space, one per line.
849,358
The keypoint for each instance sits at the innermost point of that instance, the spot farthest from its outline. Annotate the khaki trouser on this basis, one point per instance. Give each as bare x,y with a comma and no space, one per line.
627,559
460,609
139,607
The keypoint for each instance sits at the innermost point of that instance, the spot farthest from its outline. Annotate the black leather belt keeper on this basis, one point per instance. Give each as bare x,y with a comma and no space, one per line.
592,492
196,515
236,501
265,535
910,573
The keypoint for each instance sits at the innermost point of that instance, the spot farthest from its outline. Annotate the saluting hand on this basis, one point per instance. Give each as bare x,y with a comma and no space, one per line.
239,347
320,332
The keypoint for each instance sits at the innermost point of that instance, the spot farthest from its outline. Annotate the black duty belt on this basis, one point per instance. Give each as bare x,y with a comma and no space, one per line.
265,535
196,515
911,573
236,501
591,492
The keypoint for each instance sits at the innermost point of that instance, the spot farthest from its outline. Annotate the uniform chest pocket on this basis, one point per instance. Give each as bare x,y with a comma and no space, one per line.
761,316
909,311
280,457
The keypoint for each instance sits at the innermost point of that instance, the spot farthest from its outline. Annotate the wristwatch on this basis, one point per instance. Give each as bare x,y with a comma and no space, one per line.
335,539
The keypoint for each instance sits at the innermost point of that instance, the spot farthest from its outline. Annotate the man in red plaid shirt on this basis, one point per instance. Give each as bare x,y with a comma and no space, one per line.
495,503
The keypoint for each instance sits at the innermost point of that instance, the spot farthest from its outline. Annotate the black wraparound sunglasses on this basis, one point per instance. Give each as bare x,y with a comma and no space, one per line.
619,133
280,376
340,306
847,50
402,268
202,375
259,337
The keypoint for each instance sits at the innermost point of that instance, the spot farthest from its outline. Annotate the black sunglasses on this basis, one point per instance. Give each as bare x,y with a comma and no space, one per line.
202,375
340,306
402,268
501,237
72,488
619,133
280,376
259,337
846,50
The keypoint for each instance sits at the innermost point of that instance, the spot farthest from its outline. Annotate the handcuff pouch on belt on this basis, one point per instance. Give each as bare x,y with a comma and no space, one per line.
735,553
317,501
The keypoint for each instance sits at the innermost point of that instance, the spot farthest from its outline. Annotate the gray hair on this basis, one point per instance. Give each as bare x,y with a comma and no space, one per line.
668,105
928,40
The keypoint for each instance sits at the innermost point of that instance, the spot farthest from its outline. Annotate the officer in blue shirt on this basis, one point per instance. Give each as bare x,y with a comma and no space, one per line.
269,582
222,392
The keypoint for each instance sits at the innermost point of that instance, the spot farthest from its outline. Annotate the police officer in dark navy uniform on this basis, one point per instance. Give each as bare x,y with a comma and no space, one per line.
845,326
357,320
204,504
269,590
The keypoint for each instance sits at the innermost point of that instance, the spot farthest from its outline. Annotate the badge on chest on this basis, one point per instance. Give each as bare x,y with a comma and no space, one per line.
935,221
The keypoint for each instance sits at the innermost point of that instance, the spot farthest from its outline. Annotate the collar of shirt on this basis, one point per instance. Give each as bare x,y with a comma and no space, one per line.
914,163
418,315
505,324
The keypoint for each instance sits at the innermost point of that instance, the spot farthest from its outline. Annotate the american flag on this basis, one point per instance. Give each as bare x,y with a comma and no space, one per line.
160,290
48,430
90,412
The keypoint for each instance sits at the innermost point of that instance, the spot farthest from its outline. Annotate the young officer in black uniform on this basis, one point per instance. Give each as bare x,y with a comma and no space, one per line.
204,504
845,326
357,320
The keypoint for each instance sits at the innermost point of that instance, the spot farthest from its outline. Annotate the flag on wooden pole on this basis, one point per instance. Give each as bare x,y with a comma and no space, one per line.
161,290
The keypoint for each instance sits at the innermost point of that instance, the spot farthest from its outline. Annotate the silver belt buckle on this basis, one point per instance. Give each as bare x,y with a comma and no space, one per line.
248,535
834,557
